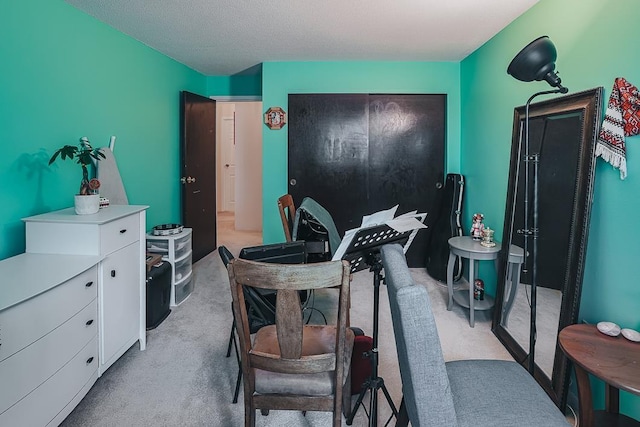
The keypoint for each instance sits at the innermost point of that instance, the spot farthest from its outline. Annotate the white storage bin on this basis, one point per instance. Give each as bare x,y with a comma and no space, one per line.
183,290
183,246
158,246
176,249
183,268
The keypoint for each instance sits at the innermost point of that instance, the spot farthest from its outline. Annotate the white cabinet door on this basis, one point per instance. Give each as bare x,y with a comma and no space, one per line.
119,303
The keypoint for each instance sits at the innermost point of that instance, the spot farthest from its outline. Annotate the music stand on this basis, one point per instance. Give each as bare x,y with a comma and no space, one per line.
363,252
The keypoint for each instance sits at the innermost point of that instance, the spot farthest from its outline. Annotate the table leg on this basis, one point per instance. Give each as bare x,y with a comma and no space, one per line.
585,415
472,276
450,265
611,399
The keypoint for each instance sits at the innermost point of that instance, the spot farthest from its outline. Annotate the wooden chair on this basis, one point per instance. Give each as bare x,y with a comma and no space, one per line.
261,311
290,365
287,214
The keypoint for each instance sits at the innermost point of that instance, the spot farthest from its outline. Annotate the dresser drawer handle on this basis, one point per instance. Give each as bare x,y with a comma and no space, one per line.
124,230
89,284
113,273
89,360
89,322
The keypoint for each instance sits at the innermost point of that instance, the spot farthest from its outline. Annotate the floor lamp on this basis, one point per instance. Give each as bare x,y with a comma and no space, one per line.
535,62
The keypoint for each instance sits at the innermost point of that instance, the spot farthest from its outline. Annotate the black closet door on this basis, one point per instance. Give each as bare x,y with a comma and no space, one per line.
356,154
328,154
406,158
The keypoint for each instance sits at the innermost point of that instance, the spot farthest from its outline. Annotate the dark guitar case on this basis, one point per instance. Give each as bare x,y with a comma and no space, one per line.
446,225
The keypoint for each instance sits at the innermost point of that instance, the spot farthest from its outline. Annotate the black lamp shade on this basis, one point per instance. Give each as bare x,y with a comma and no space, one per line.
536,62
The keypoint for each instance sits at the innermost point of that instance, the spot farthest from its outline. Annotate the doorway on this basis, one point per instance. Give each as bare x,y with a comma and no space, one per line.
239,172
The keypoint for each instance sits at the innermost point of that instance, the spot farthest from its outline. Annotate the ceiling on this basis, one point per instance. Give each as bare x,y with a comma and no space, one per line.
226,37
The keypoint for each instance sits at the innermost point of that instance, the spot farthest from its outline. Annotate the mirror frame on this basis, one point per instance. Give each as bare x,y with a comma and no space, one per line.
589,104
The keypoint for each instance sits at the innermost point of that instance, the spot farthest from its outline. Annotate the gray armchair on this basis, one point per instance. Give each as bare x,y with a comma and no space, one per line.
463,393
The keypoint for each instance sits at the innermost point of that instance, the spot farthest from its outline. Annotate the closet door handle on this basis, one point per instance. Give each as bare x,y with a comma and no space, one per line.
89,322
89,360
124,230
89,284
113,273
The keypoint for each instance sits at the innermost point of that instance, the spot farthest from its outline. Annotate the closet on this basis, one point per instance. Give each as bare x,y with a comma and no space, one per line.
360,153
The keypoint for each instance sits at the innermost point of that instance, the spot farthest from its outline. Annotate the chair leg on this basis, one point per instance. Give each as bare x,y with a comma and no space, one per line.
232,337
238,382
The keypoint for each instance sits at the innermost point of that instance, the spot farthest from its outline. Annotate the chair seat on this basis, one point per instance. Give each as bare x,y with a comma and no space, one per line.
317,339
480,389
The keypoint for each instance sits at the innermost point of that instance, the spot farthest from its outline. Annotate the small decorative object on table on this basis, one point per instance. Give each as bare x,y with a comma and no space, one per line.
487,238
477,227
87,201
478,289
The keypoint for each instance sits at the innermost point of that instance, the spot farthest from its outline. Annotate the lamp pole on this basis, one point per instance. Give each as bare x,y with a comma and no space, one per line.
533,231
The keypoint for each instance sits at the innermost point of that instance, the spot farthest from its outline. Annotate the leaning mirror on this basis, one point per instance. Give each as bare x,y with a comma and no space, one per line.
563,132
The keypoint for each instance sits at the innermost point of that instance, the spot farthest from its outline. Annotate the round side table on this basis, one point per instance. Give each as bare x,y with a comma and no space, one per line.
466,247
614,360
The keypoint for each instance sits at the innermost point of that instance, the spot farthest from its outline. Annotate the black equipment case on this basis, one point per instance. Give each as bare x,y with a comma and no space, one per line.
446,225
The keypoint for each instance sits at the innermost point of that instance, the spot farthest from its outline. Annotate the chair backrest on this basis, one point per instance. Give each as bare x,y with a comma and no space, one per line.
261,310
310,210
425,382
287,214
287,280
225,255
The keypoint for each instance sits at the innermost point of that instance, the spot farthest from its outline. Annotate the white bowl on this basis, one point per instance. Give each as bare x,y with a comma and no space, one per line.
631,335
609,328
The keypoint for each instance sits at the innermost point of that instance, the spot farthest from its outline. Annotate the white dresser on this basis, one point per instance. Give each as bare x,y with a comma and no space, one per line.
116,235
48,336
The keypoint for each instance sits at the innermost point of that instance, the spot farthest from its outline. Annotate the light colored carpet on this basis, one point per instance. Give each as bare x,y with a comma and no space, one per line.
184,379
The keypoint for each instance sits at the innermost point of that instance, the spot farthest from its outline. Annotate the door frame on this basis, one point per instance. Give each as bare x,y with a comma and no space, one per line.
231,100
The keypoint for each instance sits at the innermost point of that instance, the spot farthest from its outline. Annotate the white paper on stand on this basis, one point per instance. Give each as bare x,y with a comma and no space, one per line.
403,223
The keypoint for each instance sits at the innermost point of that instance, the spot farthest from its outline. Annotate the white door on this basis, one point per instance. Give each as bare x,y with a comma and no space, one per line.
228,164
248,121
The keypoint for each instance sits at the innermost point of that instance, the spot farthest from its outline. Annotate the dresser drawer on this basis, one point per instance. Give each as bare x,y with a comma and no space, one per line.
43,404
119,233
33,365
25,323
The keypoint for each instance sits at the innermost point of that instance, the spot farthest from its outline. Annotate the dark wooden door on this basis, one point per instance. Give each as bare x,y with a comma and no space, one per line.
357,153
198,142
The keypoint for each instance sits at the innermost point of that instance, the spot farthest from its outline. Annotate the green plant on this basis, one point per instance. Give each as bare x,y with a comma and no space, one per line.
84,155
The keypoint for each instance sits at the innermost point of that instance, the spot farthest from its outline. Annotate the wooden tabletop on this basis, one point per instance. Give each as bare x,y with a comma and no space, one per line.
615,360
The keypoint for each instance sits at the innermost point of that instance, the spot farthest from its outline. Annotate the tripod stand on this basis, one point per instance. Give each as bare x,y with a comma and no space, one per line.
374,382
364,251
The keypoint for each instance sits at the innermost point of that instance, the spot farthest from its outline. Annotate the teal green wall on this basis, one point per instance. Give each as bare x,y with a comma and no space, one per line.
279,79
66,75
596,42
236,85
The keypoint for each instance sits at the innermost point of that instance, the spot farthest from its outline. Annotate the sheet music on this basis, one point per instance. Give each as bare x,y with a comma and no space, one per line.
402,223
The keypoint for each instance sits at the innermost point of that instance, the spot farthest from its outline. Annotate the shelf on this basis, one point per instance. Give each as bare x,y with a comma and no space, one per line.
462,298
176,250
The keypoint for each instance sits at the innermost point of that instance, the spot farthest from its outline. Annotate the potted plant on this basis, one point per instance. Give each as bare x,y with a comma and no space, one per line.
87,201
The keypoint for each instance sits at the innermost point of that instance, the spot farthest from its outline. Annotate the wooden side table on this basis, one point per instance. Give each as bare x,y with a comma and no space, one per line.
466,247
615,360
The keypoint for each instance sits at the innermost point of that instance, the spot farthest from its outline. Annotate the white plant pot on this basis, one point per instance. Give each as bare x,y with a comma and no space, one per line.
87,204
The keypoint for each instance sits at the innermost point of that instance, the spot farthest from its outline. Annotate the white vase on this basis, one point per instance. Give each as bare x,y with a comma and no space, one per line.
87,204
